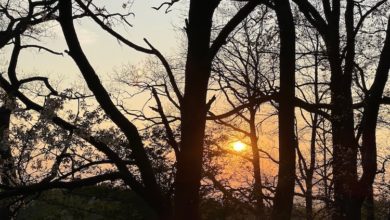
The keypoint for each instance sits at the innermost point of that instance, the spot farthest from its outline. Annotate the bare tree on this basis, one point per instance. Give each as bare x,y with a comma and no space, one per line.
287,141
201,51
244,75
350,190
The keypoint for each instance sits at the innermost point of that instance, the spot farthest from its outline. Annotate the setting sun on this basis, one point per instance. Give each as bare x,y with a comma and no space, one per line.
238,146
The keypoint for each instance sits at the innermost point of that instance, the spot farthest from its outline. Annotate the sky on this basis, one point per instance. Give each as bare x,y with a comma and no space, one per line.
106,54
104,51
162,29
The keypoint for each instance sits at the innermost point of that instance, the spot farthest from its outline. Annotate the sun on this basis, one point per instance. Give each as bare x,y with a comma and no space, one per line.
238,146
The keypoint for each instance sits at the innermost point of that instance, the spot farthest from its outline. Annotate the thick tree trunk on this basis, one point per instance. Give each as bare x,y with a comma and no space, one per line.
283,201
345,146
369,205
344,151
193,110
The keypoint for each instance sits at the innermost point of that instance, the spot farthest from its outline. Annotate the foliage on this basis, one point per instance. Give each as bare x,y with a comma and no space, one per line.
96,202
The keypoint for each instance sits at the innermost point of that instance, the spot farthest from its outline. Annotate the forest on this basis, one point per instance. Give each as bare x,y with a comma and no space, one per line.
195,109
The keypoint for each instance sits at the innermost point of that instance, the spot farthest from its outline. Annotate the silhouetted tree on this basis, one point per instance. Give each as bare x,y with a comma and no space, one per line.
341,44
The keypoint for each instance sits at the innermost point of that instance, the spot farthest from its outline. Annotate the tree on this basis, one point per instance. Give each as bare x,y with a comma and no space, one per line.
350,190
82,151
193,105
243,71
287,141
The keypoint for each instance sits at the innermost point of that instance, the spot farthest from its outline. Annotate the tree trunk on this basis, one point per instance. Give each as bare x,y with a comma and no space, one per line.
344,150
369,124
5,150
369,205
350,192
310,171
7,174
193,110
149,189
283,201
345,145
257,188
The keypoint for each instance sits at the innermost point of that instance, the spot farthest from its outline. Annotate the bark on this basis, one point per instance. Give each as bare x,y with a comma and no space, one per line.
193,110
369,205
283,200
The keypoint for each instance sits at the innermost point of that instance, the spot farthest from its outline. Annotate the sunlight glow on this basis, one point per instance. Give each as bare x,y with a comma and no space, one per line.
238,146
